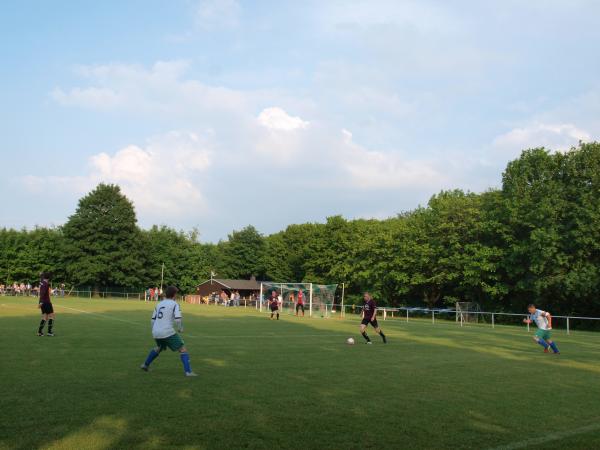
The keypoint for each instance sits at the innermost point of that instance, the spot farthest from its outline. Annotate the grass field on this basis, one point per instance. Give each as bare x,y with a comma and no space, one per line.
288,384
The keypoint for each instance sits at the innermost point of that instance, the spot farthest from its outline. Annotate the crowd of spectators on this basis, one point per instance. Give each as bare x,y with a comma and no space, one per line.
228,298
28,290
154,294
225,298
231,299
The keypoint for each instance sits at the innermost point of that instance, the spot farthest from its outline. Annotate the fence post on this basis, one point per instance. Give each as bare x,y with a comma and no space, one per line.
407,315
433,317
384,314
310,300
90,295
493,321
528,325
568,329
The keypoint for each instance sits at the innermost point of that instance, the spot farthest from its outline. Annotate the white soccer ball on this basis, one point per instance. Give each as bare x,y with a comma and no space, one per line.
350,341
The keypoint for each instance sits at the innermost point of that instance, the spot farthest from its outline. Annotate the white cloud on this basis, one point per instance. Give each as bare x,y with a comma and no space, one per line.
160,89
275,118
280,138
554,136
160,178
348,164
371,169
98,98
418,15
168,174
215,14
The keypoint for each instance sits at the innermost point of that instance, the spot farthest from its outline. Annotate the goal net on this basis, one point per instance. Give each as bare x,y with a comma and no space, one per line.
468,312
318,299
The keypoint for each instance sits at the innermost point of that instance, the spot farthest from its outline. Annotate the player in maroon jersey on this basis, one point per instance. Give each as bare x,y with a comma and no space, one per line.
300,302
46,305
369,316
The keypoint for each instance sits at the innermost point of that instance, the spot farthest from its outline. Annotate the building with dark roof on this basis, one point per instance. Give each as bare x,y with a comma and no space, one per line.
216,285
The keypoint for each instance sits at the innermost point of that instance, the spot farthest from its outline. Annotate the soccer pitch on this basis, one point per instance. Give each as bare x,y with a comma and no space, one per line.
288,384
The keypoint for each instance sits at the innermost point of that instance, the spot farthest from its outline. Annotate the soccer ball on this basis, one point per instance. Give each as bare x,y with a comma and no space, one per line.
350,341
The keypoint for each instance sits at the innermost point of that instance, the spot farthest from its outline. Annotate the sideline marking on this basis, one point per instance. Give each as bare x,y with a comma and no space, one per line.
212,336
549,437
99,314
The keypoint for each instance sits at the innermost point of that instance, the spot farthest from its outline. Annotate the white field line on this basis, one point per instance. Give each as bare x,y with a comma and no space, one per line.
100,315
269,336
533,442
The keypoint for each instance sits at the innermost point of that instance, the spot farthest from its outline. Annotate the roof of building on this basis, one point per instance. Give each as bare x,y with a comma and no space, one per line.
240,285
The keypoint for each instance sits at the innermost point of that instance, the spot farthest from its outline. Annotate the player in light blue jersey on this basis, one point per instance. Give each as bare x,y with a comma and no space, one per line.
166,314
543,320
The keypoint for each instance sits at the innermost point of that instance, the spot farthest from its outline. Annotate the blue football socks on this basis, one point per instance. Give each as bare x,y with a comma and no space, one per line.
151,357
554,347
185,359
543,343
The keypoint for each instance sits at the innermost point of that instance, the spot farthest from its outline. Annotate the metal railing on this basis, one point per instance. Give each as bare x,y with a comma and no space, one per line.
102,294
461,318
56,293
486,318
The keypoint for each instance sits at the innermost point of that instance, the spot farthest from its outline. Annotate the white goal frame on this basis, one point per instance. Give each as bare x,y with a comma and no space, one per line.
467,312
305,286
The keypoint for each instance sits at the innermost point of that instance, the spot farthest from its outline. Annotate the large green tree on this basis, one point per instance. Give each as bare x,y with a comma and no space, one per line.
186,261
102,241
552,210
244,253
24,254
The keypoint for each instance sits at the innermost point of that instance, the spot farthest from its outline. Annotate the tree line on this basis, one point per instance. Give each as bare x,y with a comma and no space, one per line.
536,239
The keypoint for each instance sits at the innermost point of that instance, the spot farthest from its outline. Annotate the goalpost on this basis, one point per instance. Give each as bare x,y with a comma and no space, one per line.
467,312
318,298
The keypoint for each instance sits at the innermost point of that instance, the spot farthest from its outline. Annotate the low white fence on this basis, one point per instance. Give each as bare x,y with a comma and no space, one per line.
461,318
485,318
102,294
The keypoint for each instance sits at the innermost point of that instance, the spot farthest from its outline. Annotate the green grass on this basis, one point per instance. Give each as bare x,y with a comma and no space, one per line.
288,384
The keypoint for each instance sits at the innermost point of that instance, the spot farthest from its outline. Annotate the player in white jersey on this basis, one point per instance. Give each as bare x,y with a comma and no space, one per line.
543,320
165,316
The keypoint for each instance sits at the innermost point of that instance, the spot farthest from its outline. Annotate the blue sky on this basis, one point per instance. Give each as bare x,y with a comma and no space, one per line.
216,114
